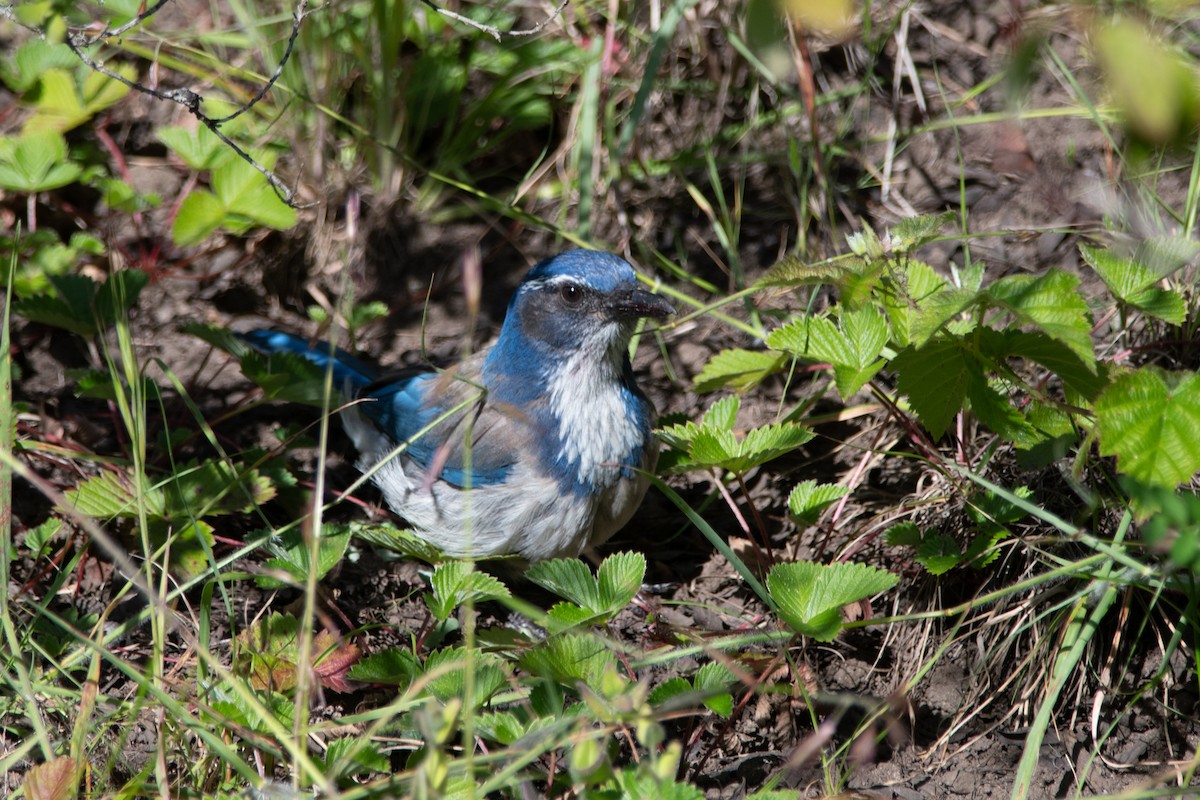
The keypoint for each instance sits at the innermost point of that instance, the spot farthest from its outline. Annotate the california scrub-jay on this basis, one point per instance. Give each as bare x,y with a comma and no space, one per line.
531,447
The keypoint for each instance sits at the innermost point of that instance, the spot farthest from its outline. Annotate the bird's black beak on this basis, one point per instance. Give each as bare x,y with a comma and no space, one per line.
640,303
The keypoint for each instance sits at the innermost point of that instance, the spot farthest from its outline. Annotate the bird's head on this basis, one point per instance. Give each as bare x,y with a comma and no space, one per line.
580,300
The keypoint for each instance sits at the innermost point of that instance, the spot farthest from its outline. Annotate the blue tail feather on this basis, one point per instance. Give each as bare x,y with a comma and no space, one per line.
346,367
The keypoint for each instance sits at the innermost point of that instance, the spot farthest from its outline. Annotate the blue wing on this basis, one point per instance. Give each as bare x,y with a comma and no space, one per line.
432,411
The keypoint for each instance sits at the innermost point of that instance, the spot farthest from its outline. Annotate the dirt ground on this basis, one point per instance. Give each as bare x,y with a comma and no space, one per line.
955,727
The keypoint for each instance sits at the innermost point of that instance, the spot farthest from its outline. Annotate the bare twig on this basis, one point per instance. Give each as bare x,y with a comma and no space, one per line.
78,42
495,32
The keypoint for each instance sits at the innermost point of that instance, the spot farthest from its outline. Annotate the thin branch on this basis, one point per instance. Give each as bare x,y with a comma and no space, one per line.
190,100
492,31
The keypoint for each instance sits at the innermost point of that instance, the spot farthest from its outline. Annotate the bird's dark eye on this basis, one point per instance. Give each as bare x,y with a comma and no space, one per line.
571,292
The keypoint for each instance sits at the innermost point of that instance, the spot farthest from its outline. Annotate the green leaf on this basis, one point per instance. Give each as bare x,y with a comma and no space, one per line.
791,271
245,193
1051,354
118,294
499,726
741,369
219,337
199,147
62,103
720,448
1150,420
569,578
199,215
36,162
215,487
723,413
912,232
935,378
670,689
809,499
447,671
997,412
397,540
456,583
904,534
114,494
291,555
810,596
852,347
915,282
35,58
936,310
938,553
571,658
1052,303
713,680
620,578
1134,283
395,666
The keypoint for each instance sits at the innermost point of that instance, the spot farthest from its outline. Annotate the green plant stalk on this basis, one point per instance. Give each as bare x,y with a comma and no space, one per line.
589,115
1082,625
23,683
158,605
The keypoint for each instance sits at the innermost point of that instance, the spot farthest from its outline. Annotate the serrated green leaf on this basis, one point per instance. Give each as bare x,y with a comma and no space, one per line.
33,59
1134,283
569,578
791,271
393,667
456,583
564,616
101,91
714,447
679,436
213,487
200,214
912,232
936,310
570,658
809,499
118,294
353,756
938,553
1051,303
998,413
287,377
1150,420
499,726
199,147
244,192
713,680
114,494
722,414
904,534
397,540
915,283
810,596
447,670
1053,355
619,578
935,379
741,369
291,555
669,690
36,162
769,442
